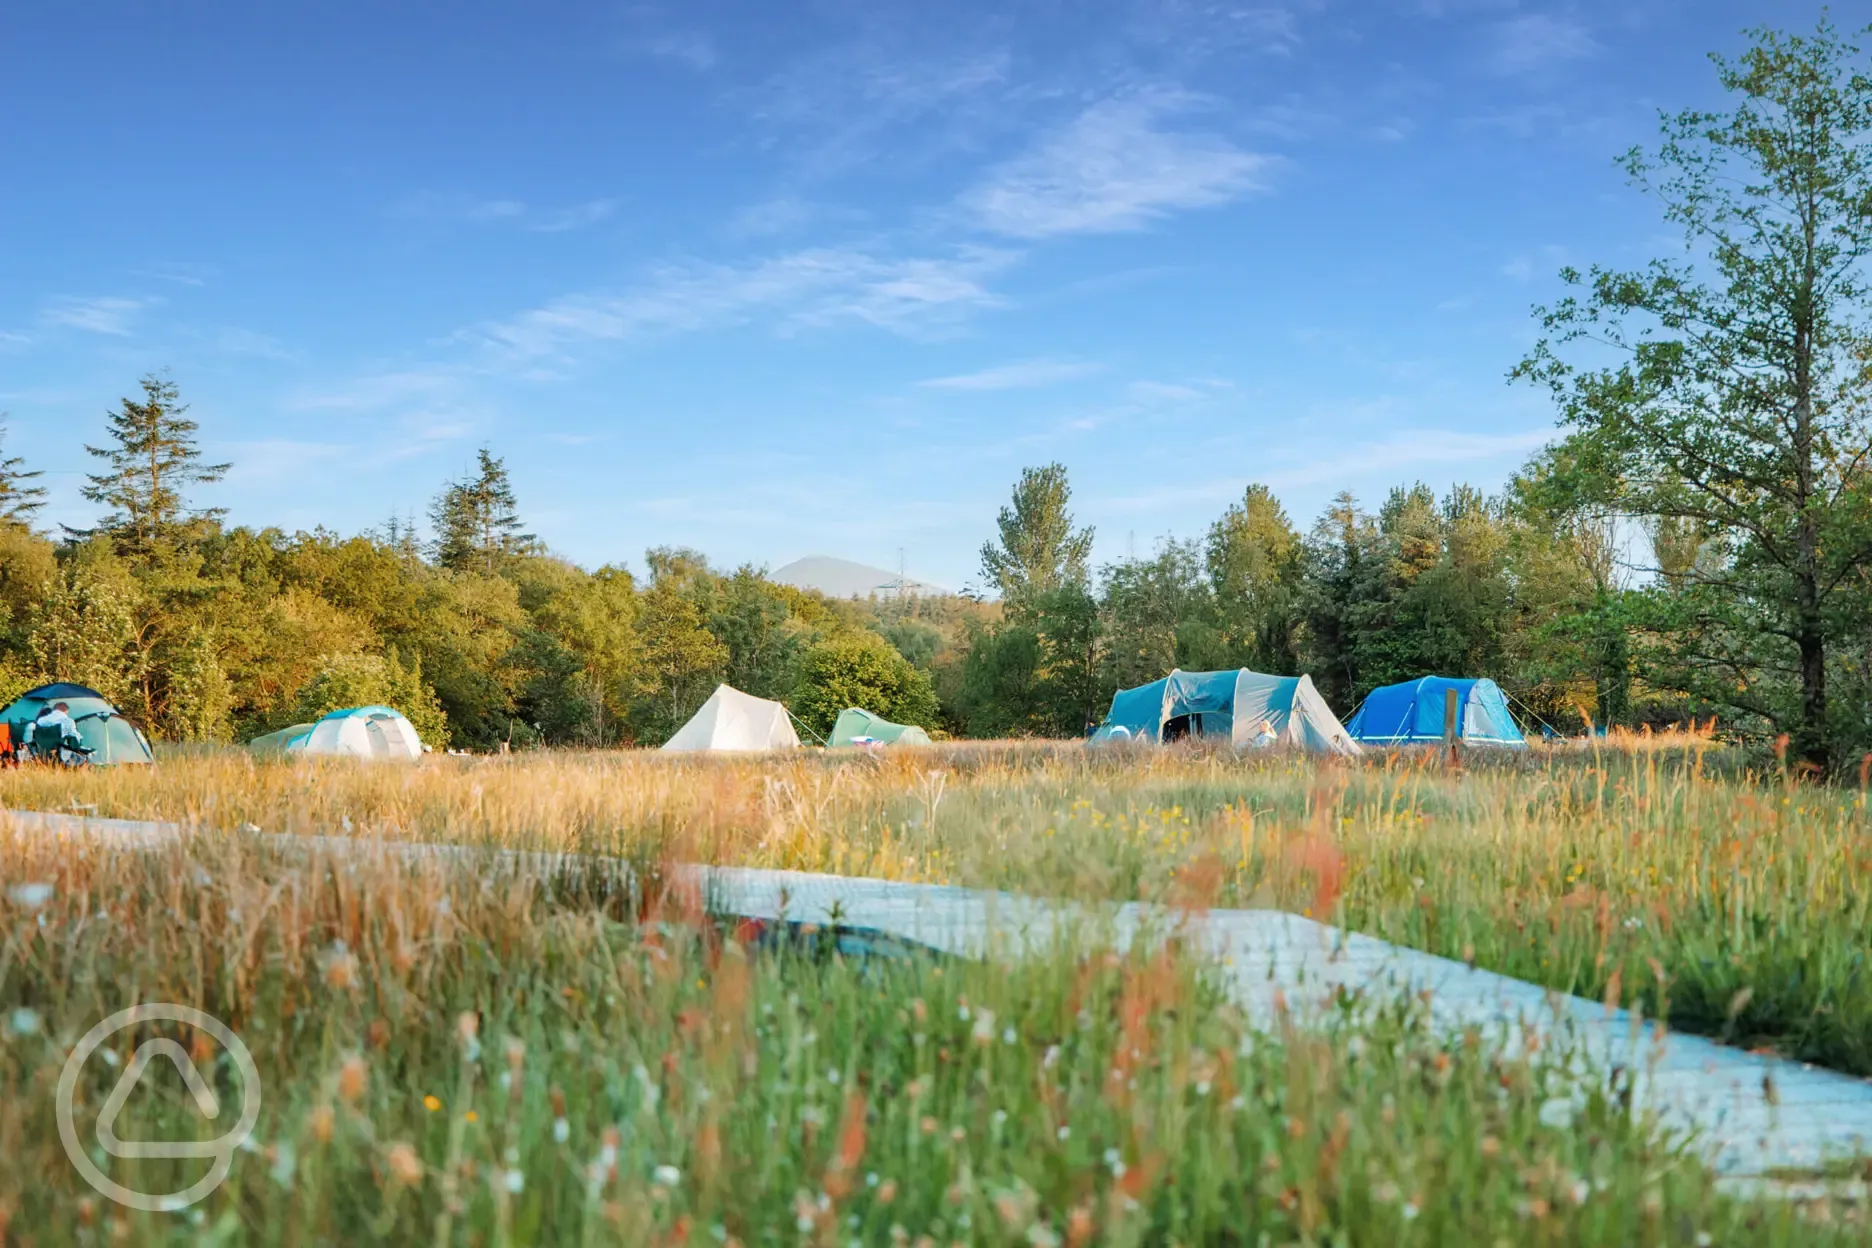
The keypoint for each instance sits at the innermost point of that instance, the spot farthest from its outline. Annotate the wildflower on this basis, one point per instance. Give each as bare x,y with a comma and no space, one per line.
561,1132
467,1029
32,896
321,1124
516,1182
471,1116
351,1079
339,966
983,1030
405,1166
887,1191
432,1103
666,1176
1064,1133
24,1022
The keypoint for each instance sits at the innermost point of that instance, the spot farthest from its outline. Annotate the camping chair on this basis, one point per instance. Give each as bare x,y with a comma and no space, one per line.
52,746
9,754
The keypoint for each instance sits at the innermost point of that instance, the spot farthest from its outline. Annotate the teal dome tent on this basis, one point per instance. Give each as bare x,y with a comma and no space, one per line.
102,728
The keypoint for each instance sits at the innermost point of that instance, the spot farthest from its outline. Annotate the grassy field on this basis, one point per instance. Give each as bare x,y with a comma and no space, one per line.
453,1056
1671,879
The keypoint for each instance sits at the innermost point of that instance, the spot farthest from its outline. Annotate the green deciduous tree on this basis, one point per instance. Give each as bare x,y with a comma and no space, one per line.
345,680
861,669
1736,399
1255,562
150,464
1039,550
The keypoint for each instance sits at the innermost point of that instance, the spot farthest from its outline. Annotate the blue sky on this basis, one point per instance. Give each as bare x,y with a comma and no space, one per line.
772,279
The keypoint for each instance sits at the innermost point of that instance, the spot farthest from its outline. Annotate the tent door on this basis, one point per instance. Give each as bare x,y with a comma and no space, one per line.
1177,727
379,743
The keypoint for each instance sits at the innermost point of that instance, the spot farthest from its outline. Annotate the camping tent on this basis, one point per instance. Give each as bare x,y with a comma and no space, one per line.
278,742
854,723
102,728
360,732
1412,714
732,720
1232,705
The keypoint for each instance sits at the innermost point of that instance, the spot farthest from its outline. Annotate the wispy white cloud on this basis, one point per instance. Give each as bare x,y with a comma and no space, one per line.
178,272
1022,375
856,100
1536,41
373,392
1117,167
1526,266
577,217
233,340
1405,449
274,459
816,287
109,314
476,210
685,47
1168,392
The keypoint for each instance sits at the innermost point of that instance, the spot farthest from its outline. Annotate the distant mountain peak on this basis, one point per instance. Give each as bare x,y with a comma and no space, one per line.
841,578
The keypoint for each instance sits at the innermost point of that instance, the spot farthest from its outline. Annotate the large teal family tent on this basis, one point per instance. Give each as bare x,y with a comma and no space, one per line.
1246,708
856,725
1412,714
101,727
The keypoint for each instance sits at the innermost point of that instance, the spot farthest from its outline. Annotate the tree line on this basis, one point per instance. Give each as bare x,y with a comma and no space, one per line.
1696,541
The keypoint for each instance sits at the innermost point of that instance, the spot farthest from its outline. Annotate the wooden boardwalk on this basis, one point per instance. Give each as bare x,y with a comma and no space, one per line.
1749,1115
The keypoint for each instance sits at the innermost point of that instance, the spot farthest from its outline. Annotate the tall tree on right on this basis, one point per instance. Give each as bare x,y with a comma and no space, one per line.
1736,399
1040,550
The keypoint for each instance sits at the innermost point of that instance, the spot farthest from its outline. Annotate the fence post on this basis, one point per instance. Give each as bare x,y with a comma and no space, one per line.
1450,720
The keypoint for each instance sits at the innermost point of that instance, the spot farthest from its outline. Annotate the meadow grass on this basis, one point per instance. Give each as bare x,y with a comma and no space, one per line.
1657,874
451,1054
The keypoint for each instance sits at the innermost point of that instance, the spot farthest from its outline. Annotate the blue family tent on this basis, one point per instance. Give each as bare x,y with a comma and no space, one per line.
1248,709
1412,714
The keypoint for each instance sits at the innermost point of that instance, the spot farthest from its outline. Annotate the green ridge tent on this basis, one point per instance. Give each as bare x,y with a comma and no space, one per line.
102,728
279,742
854,722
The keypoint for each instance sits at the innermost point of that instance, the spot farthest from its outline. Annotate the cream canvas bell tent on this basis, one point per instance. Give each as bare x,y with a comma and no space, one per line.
732,720
376,732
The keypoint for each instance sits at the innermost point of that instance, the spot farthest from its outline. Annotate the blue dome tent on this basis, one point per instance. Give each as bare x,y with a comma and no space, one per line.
1412,714
102,729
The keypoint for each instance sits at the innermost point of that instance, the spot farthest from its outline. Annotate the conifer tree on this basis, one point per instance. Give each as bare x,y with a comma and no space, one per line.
19,497
151,464
477,522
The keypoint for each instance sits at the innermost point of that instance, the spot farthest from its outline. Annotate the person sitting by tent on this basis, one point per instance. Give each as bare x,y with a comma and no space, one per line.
1264,735
55,735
